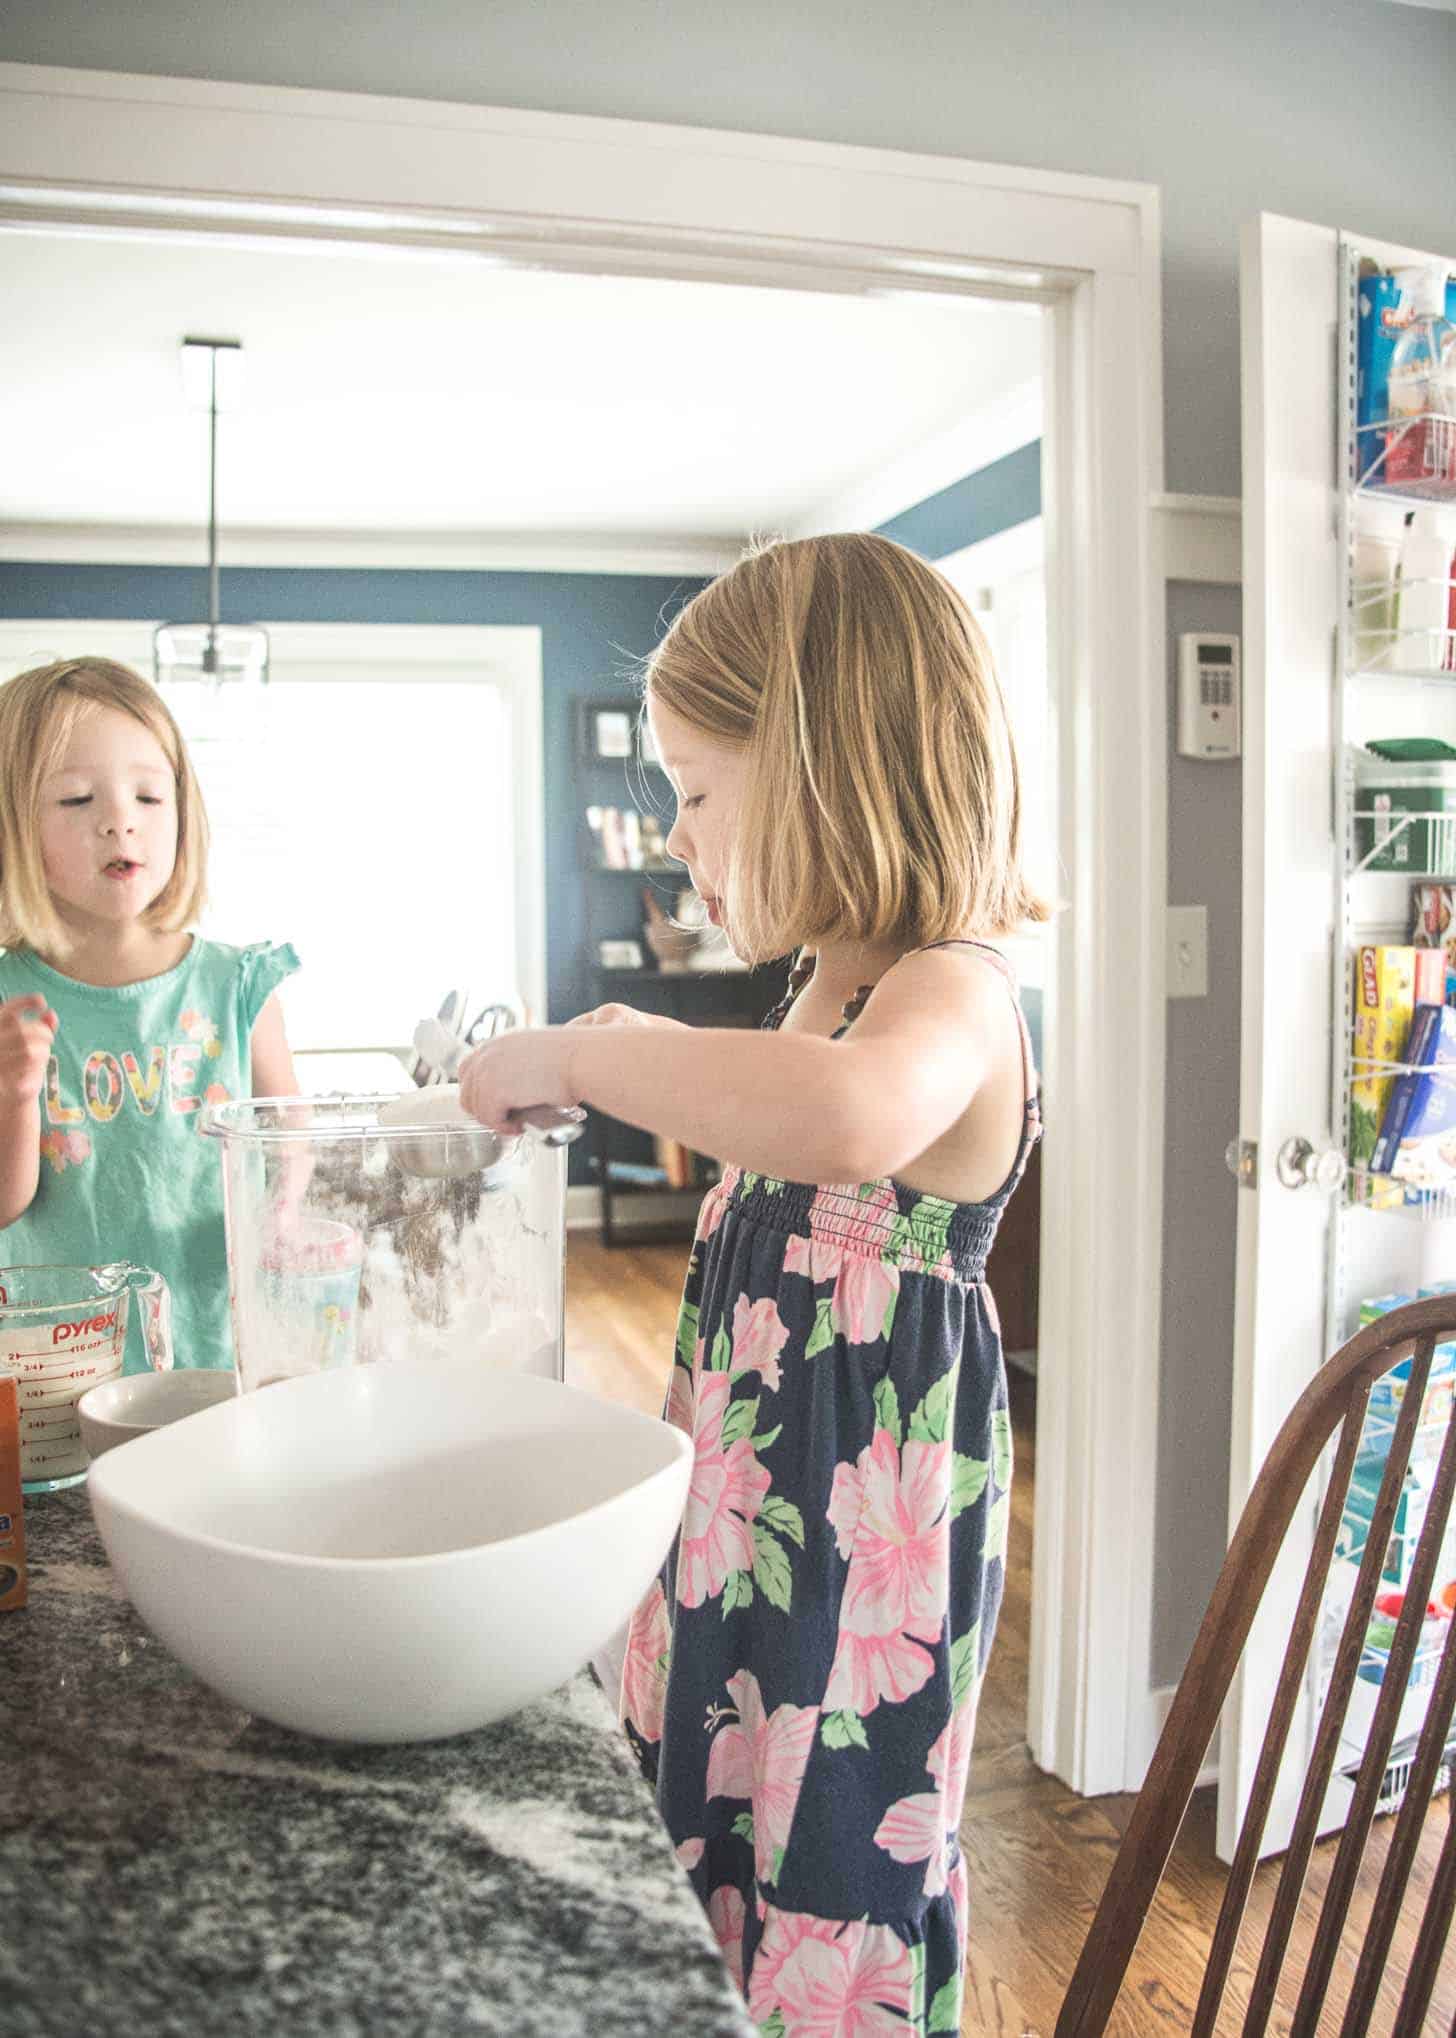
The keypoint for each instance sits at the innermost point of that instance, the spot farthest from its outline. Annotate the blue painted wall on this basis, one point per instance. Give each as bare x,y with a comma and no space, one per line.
594,627
977,506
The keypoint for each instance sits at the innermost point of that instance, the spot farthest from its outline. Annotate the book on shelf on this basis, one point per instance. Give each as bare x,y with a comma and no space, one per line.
1417,1144
676,1162
623,839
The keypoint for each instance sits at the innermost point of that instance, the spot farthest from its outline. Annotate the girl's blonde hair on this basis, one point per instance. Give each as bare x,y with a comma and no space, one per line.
38,710
882,800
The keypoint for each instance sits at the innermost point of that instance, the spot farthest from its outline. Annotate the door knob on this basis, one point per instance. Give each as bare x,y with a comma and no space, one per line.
1301,1165
1241,1158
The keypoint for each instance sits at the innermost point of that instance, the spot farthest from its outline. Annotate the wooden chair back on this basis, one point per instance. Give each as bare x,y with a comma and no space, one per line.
1333,1406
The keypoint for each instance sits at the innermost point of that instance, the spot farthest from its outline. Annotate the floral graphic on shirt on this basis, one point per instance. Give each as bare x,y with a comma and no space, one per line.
820,1978
922,1827
217,1093
761,1757
64,1149
197,1026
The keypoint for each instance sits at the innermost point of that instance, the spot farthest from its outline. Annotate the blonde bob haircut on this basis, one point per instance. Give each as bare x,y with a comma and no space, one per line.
38,710
881,800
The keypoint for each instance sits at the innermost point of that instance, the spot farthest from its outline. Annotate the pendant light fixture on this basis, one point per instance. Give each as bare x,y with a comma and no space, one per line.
210,651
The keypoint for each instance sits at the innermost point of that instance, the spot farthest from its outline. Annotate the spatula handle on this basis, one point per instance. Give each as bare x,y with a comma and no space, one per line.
555,1124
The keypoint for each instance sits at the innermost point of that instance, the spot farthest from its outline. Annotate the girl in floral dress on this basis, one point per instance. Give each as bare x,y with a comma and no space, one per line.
801,1682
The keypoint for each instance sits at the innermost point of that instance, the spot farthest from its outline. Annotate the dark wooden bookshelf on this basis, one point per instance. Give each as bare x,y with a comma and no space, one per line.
707,997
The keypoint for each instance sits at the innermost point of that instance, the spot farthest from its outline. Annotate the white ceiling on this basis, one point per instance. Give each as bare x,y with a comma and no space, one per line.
394,392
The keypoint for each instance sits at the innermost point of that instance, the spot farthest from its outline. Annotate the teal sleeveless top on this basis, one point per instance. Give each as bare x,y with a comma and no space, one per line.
123,1172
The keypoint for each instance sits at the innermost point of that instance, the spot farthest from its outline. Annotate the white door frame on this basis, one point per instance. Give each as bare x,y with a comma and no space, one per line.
79,147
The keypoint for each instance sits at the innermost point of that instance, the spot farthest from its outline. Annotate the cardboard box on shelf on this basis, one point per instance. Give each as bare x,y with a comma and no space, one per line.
1386,984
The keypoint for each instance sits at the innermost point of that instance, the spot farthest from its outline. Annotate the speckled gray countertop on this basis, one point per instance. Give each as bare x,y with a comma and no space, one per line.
173,1868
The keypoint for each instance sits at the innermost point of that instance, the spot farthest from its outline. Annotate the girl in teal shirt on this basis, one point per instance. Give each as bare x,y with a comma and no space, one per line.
117,1024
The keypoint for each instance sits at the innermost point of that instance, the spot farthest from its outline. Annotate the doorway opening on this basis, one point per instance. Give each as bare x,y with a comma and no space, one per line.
600,197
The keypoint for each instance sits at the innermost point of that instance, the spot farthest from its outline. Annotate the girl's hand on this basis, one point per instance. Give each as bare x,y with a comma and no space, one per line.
531,1065
27,1028
621,1015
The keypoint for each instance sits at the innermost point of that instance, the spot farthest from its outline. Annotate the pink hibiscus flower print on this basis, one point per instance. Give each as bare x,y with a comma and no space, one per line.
889,1512
919,1828
680,1395
726,1493
861,1216
714,1206
726,1912
762,1758
690,1852
758,1338
864,1298
816,1258
644,1669
831,1980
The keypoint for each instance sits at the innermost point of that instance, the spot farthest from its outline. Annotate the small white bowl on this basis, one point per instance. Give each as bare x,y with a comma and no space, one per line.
135,1405
396,1552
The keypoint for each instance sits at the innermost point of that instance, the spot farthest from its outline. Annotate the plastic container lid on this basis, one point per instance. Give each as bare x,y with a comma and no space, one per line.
1379,772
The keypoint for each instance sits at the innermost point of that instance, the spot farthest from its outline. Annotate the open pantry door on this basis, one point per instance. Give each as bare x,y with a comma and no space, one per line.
1288,293
1308,1252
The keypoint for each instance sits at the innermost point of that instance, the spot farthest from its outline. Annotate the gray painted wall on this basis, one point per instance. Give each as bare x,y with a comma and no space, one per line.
1331,110
1199,1194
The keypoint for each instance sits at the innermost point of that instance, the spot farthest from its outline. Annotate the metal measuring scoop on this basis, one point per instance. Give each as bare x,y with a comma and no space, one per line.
449,1141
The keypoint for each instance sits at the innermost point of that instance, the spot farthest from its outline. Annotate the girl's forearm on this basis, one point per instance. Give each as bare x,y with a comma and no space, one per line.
795,1106
19,1158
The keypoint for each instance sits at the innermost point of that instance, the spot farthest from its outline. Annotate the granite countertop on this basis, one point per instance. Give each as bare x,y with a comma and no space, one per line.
170,1866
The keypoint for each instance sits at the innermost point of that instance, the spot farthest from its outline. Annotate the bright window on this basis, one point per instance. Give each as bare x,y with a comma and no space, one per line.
379,804
368,823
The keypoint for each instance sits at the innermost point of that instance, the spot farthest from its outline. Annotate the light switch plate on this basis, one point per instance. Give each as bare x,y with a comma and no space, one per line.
1188,951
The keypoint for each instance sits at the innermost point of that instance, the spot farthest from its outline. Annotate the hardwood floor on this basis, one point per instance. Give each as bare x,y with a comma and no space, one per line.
1038,1855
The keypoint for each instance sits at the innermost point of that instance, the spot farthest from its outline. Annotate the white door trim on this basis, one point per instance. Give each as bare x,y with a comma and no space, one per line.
88,147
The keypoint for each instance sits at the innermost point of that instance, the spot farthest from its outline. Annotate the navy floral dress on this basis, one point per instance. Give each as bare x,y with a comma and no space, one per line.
801,1681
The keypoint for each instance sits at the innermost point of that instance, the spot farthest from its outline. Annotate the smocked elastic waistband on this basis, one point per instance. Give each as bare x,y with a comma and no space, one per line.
879,1220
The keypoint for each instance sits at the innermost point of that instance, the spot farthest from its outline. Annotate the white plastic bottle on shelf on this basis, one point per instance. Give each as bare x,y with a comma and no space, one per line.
1423,613
1379,531
1422,369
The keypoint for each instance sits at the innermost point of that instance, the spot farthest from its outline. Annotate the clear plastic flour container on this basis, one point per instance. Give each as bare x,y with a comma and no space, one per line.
353,1240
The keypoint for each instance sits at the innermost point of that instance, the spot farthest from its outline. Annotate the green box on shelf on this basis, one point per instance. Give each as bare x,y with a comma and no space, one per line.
1385,793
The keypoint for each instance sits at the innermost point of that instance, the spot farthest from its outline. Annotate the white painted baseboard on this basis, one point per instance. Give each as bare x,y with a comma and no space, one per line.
665,1207
1147,1725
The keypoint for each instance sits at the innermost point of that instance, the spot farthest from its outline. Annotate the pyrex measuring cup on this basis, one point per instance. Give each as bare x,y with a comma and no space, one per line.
62,1330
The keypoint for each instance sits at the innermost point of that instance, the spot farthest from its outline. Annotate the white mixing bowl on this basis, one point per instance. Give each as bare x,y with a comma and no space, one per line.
395,1552
119,1411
